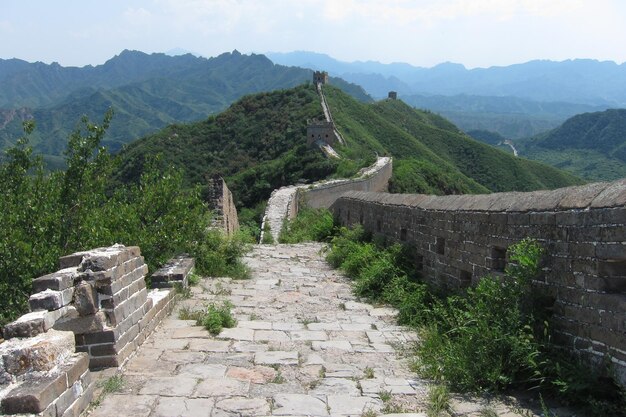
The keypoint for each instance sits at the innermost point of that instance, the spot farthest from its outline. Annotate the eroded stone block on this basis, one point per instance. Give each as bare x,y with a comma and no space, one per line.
86,324
85,299
34,323
58,281
50,299
39,353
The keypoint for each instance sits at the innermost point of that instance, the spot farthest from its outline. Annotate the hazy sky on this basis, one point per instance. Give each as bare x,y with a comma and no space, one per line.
422,32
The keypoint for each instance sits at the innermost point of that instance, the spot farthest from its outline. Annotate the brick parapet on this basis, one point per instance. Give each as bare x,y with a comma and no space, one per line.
458,239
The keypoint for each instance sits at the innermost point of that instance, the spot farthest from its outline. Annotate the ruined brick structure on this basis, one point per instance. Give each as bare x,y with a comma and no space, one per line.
221,201
321,131
459,239
392,95
320,77
92,313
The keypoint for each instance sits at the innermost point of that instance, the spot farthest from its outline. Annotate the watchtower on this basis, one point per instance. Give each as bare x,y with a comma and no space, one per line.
321,131
320,77
392,95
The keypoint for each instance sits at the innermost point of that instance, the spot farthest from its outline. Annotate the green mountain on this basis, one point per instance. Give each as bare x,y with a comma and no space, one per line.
259,144
590,145
413,136
147,92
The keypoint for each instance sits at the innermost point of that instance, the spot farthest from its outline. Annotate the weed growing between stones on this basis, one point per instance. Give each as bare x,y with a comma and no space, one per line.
193,279
216,317
268,239
186,313
489,338
368,373
438,401
182,290
385,396
112,384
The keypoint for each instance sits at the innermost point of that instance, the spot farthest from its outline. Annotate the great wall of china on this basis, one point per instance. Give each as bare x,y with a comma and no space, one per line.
296,315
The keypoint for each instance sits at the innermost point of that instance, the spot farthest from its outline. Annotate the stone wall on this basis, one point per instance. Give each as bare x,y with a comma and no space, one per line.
324,194
458,239
222,202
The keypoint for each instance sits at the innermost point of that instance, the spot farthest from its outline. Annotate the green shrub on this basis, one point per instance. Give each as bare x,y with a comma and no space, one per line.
309,225
47,215
217,317
268,239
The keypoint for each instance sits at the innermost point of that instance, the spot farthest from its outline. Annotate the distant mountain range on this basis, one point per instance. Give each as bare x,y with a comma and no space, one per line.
516,101
147,92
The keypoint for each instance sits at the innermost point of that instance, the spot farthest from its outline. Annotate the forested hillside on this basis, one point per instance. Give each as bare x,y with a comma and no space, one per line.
591,145
431,154
259,144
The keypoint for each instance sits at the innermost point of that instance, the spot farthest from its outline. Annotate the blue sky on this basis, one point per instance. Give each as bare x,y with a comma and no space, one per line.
476,33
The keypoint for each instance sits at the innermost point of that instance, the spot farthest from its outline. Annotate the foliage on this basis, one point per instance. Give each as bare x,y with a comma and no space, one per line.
590,145
216,317
258,145
435,149
492,337
268,238
112,384
45,216
308,225
438,401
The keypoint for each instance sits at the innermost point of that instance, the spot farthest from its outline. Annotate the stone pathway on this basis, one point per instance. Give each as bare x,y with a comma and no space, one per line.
277,209
303,346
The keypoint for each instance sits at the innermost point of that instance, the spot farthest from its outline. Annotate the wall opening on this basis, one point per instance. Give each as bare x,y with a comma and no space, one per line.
440,245
419,262
361,218
466,278
379,225
613,274
498,258
348,216
403,235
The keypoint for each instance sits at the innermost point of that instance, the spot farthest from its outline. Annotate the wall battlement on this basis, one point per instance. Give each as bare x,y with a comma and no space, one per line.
458,239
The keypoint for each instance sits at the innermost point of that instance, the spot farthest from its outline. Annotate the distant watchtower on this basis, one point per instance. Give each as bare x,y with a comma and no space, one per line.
320,77
392,95
322,131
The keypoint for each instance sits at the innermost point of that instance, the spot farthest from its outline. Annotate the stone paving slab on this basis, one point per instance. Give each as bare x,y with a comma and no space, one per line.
304,345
